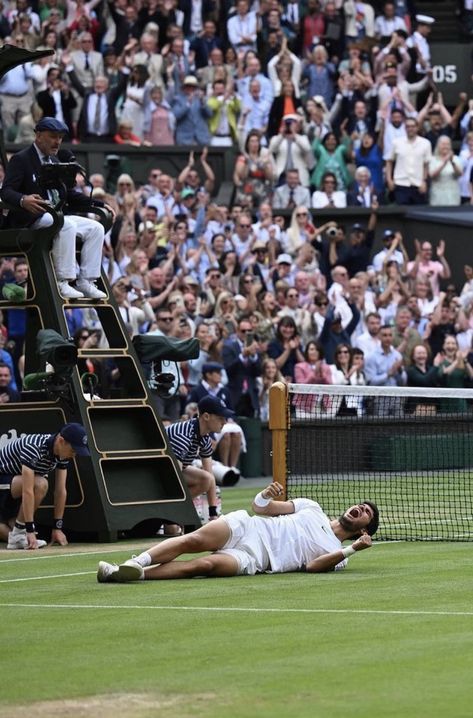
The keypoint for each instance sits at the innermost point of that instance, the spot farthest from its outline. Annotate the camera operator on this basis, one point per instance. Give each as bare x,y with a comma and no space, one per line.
292,150
22,189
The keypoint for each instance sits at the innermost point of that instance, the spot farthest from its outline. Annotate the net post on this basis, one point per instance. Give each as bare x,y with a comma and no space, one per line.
279,425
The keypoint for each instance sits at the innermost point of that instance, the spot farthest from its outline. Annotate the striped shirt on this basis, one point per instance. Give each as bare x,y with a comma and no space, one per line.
187,442
32,450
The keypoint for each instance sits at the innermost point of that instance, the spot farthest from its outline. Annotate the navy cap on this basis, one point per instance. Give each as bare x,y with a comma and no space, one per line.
212,405
51,124
388,233
75,435
211,366
357,227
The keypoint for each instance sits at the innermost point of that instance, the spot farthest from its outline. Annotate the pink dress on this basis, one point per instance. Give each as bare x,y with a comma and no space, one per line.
159,133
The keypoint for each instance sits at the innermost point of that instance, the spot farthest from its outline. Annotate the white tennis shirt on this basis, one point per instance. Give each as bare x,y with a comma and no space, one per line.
293,540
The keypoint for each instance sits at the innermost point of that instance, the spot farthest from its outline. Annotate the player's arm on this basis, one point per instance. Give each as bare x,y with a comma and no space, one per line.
264,503
207,464
328,561
60,495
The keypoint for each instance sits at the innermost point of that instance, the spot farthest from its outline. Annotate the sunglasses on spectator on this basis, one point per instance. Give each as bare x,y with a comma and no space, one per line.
301,214
164,319
84,336
343,351
245,226
215,276
292,296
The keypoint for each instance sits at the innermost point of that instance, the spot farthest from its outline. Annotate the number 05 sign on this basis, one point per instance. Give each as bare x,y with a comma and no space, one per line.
451,70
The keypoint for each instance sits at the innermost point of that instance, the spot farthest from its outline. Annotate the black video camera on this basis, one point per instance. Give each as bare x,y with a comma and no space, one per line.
52,176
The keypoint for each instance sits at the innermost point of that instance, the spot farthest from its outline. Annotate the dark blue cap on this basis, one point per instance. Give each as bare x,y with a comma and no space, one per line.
211,366
75,435
388,233
51,124
212,405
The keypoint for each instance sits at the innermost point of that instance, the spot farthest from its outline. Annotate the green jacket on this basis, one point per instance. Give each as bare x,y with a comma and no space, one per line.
233,110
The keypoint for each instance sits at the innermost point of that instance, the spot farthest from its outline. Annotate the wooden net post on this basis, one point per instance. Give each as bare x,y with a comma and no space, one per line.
279,425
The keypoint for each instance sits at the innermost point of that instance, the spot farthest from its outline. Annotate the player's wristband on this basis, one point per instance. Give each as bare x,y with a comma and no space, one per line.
261,501
348,551
30,527
58,524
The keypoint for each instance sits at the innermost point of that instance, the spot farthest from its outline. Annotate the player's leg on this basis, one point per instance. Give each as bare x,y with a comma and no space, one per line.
216,565
210,537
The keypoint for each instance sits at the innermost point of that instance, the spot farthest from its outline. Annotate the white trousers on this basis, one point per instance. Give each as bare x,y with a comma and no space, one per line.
64,246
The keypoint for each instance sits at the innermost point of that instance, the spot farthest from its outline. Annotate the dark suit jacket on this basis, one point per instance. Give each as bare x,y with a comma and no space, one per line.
238,372
21,177
199,391
112,96
47,104
208,9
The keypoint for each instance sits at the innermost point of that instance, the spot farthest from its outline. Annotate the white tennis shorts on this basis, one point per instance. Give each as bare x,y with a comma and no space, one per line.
245,544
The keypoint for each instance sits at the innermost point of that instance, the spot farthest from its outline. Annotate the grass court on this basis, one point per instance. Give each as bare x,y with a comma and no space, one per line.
389,637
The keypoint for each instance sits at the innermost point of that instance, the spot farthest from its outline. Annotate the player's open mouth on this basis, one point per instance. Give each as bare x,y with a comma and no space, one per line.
355,512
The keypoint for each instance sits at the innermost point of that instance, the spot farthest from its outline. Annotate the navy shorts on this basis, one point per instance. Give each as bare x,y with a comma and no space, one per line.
9,506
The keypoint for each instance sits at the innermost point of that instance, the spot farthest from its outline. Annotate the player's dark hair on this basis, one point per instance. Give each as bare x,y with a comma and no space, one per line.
374,523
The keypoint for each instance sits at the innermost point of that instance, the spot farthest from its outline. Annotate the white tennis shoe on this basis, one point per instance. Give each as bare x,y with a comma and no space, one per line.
107,572
18,540
130,571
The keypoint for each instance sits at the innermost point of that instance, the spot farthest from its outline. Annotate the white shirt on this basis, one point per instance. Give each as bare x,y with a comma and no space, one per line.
410,157
240,26
367,343
294,540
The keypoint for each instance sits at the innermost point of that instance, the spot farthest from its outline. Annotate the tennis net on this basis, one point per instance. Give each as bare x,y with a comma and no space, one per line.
410,450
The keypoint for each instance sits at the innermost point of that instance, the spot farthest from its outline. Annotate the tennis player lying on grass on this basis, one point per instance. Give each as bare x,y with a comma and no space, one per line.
296,536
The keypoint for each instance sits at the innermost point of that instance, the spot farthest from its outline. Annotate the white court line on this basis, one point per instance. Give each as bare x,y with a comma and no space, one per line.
239,609
100,552
41,578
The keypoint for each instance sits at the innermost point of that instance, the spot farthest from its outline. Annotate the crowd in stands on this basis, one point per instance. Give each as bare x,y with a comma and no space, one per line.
332,105
328,89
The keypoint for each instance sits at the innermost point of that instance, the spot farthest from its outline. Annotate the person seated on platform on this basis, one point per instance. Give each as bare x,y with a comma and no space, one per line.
21,189
191,440
283,537
24,467
229,440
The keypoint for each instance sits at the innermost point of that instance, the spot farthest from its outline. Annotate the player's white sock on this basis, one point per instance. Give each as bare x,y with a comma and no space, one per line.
144,559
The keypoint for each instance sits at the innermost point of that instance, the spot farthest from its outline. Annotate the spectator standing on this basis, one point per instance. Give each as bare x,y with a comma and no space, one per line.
407,168
158,120
57,100
192,113
97,120
243,365
291,150
385,368
242,27
425,266
445,170
331,156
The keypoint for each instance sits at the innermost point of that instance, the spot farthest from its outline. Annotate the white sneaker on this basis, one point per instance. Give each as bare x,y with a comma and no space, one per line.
18,540
89,289
68,292
107,572
130,571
